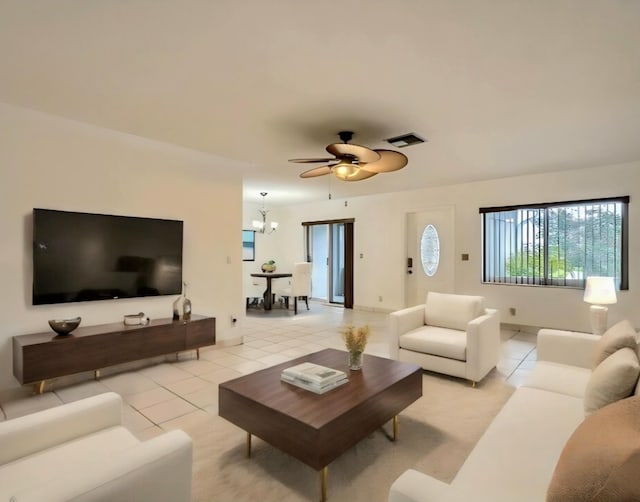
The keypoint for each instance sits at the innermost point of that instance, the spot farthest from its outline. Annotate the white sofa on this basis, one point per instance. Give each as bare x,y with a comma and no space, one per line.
516,457
451,334
81,452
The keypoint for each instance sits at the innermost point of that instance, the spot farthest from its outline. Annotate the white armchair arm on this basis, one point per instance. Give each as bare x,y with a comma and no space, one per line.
158,469
47,428
566,347
402,321
483,345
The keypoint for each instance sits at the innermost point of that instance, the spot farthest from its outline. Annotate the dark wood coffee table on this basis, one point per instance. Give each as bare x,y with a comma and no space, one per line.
317,429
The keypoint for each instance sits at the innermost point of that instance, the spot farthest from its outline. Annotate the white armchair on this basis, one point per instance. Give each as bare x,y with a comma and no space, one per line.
450,334
81,452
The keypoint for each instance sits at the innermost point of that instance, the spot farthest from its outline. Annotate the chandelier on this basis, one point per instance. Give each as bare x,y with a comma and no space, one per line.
261,226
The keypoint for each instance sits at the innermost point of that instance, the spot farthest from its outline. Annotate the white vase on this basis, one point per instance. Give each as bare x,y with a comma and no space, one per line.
177,308
186,306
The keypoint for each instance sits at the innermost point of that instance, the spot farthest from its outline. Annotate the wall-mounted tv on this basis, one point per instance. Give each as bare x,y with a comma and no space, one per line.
81,257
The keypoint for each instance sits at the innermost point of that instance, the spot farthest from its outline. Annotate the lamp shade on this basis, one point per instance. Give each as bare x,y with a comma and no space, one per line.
600,291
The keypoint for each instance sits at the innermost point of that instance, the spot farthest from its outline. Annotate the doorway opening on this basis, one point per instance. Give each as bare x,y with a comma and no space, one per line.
329,247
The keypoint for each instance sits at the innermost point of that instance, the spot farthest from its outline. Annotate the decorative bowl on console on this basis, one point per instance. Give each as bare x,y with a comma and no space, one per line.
64,326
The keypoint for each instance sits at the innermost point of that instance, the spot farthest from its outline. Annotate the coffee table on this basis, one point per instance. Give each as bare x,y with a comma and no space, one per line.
317,429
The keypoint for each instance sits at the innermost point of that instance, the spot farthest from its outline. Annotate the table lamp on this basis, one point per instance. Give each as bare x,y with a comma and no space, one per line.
599,291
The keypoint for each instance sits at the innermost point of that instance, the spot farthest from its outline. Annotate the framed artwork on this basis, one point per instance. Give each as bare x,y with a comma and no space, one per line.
248,245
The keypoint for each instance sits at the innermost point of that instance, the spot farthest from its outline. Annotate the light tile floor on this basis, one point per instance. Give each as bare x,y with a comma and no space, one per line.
176,394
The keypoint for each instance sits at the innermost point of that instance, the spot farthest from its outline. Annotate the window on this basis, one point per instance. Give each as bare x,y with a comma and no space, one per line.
430,250
248,245
556,244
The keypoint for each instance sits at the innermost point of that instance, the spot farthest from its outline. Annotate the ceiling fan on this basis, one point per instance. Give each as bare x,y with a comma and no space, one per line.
354,162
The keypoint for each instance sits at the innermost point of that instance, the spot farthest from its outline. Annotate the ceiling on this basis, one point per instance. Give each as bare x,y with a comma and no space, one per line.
498,88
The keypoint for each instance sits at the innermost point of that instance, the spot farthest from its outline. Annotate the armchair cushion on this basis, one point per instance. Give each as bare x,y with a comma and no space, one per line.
80,452
38,431
452,311
158,469
443,342
49,463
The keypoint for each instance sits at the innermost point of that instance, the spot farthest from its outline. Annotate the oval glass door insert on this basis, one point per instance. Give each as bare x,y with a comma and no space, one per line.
430,250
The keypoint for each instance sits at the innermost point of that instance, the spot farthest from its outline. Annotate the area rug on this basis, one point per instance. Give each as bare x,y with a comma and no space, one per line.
436,434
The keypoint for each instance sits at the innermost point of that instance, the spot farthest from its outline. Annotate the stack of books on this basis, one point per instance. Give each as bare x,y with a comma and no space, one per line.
313,377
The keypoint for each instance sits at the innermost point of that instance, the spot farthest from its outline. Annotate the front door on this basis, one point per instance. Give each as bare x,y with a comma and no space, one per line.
430,253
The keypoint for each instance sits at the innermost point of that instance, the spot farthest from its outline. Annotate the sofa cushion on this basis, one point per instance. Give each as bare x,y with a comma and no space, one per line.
452,311
442,342
615,378
516,456
561,378
601,459
618,336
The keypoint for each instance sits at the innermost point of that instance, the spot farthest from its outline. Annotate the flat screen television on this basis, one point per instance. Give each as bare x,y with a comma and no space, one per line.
81,257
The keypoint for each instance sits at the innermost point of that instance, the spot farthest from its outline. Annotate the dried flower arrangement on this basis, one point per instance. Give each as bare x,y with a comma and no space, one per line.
354,338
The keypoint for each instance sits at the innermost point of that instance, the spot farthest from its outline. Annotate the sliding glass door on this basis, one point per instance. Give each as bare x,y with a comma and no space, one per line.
319,256
336,263
330,249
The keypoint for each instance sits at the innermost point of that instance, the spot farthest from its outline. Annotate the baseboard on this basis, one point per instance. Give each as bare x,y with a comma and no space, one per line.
372,309
230,342
520,327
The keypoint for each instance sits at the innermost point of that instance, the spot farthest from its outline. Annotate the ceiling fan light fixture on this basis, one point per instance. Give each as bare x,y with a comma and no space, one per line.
354,162
345,170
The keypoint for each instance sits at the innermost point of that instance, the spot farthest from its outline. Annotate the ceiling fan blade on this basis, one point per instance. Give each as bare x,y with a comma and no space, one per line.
310,161
390,160
316,171
360,175
362,153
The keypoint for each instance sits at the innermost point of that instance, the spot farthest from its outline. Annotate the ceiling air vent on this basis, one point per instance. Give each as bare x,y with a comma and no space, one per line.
405,140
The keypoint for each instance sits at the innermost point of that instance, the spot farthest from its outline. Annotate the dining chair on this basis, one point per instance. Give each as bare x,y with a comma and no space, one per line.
254,292
300,286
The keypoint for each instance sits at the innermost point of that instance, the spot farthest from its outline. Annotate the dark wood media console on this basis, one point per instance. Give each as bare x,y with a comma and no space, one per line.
39,357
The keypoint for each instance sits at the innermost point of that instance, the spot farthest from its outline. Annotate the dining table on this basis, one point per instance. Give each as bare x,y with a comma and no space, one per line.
268,295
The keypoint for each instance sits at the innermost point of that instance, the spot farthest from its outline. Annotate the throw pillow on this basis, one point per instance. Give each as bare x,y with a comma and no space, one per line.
616,337
601,460
615,378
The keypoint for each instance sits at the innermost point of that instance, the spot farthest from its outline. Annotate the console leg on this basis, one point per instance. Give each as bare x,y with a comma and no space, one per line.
96,375
198,354
248,449
323,484
40,387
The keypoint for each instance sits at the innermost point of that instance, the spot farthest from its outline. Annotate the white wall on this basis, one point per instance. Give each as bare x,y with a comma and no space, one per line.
380,237
50,162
